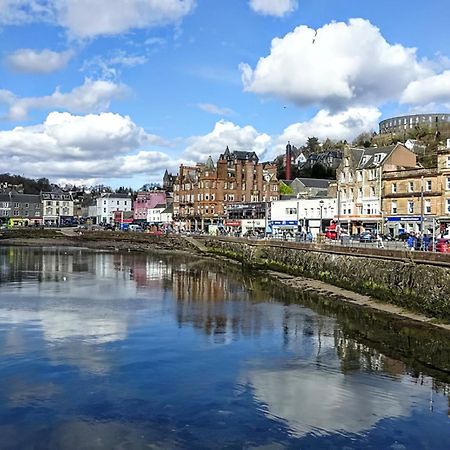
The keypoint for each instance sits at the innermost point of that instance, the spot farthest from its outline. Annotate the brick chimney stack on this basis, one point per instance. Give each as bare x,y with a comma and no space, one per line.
288,160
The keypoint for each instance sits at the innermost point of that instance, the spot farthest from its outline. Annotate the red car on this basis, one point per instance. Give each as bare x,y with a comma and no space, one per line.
442,245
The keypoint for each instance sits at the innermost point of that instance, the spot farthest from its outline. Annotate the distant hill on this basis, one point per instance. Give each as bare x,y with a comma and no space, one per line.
27,185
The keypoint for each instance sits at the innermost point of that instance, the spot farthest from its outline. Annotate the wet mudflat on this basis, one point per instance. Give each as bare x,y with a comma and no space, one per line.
119,350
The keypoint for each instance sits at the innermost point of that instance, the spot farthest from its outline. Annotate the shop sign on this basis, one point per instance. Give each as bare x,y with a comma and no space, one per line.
283,222
232,223
404,219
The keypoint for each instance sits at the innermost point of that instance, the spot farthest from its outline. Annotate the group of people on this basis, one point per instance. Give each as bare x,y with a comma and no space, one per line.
417,241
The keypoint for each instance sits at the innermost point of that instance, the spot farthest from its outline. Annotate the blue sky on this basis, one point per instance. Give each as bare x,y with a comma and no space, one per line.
115,91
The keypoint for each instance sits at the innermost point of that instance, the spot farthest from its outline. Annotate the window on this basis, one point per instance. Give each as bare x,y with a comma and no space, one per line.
448,205
372,191
16,213
359,176
411,186
448,162
117,201
394,207
448,184
291,211
410,207
394,188
427,206
360,192
428,185
16,205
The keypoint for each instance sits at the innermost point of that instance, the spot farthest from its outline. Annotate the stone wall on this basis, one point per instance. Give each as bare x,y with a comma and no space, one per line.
421,287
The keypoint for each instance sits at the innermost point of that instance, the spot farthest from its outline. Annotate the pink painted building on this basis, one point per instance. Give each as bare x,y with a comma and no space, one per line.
147,200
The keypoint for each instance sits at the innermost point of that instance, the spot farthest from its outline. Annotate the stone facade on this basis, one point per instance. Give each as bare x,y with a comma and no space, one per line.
360,184
402,124
203,193
413,195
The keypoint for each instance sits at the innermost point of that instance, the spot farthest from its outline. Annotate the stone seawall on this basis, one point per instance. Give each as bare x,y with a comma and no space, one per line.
423,287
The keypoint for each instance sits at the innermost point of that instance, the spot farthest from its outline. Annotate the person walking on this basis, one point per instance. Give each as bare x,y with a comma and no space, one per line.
380,243
411,242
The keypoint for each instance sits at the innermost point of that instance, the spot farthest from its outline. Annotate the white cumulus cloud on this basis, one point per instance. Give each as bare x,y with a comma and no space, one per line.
91,96
91,18
277,8
94,146
225,134
337,66
33,61
434,89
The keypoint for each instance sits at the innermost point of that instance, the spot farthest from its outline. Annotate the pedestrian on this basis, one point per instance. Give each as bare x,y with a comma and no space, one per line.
380,243
411,242
426,242
309,236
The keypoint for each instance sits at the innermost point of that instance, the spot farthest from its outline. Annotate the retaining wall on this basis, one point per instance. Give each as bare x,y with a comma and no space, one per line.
397,277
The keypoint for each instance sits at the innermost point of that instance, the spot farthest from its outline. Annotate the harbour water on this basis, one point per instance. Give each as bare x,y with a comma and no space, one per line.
127,351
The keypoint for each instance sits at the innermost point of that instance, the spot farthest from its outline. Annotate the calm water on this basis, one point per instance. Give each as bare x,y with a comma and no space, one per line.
126,351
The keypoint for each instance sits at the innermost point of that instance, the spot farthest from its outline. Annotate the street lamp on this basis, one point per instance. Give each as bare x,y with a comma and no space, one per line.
253,219
321,209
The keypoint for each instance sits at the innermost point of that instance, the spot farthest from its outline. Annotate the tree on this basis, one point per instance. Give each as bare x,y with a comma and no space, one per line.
363,140
312,145
285,189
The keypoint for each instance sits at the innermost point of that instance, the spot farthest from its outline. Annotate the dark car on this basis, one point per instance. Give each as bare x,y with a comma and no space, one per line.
367,236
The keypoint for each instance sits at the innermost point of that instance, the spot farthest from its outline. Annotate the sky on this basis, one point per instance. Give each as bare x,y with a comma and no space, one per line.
115,91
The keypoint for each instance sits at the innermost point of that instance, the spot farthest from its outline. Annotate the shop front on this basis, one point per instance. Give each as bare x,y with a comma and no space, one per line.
233,227
397,225
284,227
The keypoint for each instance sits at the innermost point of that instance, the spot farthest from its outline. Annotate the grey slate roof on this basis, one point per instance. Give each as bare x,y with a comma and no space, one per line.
20,198
315,182
374,156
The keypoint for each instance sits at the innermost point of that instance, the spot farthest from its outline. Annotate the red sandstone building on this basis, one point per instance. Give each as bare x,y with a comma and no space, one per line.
203,193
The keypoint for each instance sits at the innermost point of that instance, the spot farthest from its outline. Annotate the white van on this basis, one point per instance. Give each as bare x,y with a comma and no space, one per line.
134,227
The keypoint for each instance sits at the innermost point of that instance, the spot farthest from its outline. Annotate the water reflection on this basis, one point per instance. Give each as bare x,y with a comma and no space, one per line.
130,350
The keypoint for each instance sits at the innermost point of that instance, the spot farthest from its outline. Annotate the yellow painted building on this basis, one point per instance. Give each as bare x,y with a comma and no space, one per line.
417,199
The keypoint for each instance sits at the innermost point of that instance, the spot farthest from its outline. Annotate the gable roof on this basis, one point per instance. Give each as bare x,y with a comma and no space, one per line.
373,157
315,182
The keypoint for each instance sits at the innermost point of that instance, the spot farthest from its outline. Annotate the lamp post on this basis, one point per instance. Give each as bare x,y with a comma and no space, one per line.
321,217
266,204
253,220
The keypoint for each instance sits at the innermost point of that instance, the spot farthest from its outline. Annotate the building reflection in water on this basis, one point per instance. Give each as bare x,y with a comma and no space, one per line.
325,377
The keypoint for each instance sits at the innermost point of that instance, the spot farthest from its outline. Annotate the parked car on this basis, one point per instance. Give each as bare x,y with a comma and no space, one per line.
367,236
442,245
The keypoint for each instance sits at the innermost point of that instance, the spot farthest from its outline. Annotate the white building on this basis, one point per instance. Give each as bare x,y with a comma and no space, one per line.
154,214
108,204
302,214
167,215
57,208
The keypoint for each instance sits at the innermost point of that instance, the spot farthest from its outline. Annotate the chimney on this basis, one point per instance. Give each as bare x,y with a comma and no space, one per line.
288,160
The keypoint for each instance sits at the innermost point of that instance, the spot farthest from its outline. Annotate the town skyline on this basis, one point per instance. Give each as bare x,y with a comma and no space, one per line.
120,100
